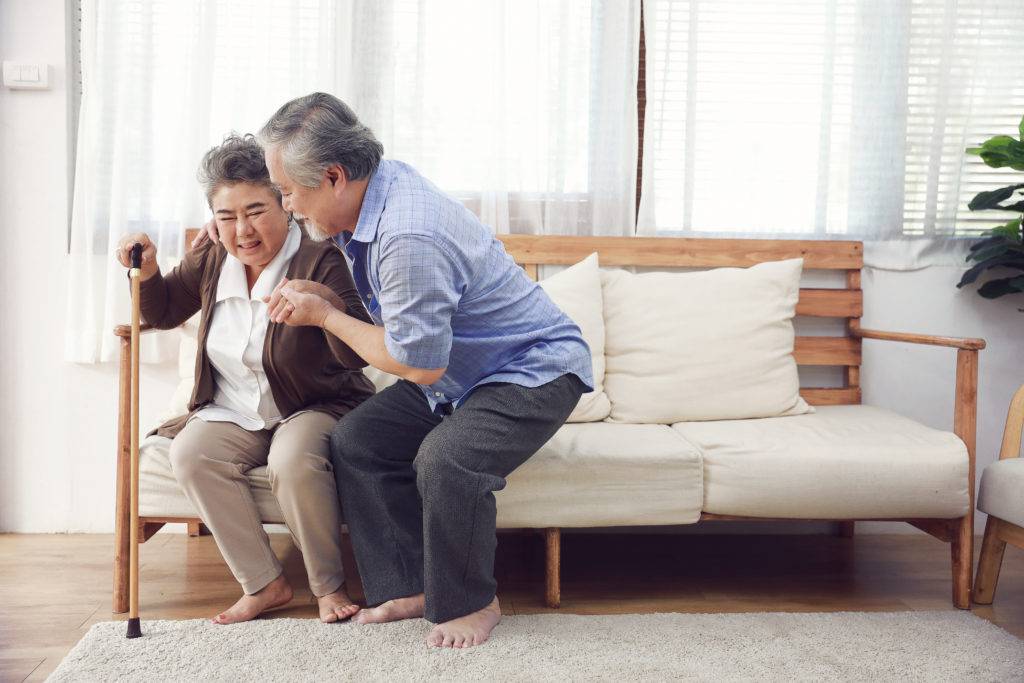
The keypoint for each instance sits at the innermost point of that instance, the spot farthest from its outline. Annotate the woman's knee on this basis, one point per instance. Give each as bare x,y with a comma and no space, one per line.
296,468
184,462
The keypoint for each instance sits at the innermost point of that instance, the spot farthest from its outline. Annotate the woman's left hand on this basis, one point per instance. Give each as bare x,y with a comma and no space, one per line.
303,308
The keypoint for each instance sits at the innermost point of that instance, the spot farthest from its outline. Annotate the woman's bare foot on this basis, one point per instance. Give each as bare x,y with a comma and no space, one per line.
472,629
274,594
336,606
392,610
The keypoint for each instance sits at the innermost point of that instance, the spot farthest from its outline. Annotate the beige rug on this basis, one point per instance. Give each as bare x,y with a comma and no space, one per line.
848,646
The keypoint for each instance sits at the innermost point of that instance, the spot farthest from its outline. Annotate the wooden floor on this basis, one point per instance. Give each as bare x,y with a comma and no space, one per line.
54,587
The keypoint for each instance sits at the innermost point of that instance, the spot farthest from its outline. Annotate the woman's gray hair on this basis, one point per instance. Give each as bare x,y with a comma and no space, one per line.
316,131
239,159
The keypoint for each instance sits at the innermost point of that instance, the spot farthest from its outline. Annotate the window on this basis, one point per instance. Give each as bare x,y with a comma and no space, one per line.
831,118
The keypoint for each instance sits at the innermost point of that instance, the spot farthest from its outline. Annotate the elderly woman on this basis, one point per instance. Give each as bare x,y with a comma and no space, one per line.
265,393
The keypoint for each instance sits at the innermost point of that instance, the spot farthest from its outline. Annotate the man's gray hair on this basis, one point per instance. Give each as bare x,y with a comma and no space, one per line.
239,159
316,131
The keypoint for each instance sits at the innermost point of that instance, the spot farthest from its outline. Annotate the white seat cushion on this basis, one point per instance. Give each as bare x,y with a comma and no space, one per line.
841,462
601,474
160,495
1001,493
708,345
588,474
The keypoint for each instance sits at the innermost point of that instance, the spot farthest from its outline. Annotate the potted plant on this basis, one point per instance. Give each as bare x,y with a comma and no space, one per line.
1002,247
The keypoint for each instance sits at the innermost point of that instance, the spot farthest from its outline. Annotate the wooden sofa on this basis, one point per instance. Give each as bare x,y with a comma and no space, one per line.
844,351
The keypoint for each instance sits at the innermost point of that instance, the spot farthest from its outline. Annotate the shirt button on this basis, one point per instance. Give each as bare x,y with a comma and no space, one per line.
438,394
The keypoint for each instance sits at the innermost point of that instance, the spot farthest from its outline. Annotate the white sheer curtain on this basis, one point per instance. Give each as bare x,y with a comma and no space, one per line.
524,110
834,118
163,81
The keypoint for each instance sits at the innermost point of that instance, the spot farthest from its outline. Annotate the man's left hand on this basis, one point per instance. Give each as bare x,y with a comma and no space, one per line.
301,308
277,304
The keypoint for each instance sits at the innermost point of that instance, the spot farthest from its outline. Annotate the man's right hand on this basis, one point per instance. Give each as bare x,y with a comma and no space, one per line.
124,253
208,231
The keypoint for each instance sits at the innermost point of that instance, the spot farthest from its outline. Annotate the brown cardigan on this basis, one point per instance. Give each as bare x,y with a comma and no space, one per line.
307,367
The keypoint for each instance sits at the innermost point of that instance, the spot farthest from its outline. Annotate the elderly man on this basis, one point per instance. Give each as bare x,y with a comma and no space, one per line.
490,368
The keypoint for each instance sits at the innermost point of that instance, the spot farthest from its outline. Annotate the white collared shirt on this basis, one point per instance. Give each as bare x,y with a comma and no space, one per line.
234,344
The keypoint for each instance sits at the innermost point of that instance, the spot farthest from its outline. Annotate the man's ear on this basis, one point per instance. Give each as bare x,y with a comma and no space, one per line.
336,177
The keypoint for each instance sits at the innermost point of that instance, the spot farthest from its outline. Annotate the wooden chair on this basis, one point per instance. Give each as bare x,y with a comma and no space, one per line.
998,481
669,252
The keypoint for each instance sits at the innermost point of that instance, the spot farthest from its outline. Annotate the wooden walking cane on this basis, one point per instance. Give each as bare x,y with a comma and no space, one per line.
134,629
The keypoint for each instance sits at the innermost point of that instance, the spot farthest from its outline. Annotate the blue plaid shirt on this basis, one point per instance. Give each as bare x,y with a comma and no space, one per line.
449,296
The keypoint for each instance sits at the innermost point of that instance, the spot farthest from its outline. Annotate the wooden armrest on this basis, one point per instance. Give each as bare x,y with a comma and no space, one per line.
125,331
1014,427
954,342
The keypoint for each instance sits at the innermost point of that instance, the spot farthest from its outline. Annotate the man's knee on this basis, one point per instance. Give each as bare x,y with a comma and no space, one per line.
441,467
349,439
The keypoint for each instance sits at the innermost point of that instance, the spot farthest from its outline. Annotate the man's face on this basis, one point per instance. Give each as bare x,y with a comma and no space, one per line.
317,206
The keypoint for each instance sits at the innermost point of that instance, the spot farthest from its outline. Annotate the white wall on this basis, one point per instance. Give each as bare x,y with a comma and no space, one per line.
58,420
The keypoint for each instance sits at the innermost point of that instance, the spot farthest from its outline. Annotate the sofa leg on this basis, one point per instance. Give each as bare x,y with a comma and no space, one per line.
992,548
553,579
196,529
962,553
846,529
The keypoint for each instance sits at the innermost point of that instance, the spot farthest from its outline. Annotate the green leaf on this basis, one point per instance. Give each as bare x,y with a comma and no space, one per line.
997,288
987,242
1017,208
996,250
1006,261
1002,150
1010,231
1021,128
991,198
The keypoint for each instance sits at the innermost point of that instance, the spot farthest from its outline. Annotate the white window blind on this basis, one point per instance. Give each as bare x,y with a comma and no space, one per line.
829,118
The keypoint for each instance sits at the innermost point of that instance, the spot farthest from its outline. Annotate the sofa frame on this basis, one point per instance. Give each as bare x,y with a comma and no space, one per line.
846,303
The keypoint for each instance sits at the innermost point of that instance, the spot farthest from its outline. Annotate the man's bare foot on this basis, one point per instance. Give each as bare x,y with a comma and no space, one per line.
392,610
274,594
472,629
336,606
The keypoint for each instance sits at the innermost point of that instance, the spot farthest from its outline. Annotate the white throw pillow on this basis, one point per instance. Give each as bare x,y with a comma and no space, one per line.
706,345
577,291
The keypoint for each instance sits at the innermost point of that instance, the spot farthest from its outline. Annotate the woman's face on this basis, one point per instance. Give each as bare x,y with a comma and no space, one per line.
252,224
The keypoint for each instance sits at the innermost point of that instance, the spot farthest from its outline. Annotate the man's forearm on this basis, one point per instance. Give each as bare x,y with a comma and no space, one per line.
368,341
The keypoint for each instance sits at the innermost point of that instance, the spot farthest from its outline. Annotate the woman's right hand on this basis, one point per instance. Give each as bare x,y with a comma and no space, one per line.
124,253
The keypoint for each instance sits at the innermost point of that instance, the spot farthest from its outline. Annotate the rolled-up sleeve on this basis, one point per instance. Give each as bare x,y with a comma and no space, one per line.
420,289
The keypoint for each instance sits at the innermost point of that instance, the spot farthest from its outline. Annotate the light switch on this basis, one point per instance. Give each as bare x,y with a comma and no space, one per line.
21,76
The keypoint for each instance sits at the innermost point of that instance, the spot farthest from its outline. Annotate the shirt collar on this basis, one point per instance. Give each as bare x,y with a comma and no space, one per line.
232,282
373,204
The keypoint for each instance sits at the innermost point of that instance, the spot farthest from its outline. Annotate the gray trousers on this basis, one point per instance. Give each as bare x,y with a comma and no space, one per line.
418,487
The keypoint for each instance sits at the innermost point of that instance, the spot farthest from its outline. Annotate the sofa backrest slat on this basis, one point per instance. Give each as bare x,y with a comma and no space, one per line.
683,252
830,303
533,251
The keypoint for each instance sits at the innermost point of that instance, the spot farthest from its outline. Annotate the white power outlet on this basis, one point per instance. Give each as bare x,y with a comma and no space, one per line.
22,76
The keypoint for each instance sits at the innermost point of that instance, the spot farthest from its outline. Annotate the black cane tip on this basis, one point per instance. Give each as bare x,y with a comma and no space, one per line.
134,628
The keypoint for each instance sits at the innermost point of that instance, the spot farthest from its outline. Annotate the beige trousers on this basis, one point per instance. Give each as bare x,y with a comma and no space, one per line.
210,461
